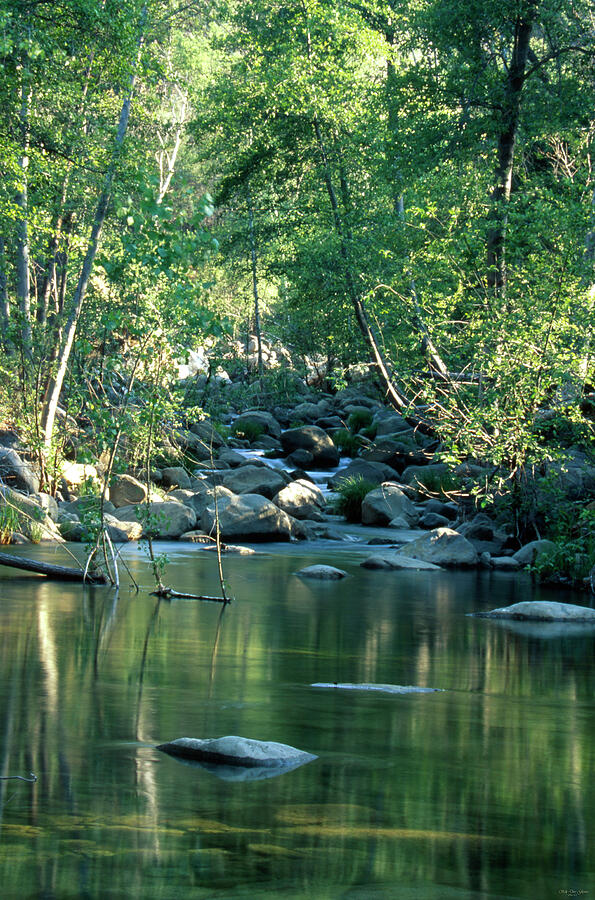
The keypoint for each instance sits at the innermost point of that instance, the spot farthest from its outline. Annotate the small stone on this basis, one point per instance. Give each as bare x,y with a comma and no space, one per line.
505,564
324,573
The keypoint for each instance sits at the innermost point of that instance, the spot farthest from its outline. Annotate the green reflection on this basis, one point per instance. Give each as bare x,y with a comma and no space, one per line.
483,790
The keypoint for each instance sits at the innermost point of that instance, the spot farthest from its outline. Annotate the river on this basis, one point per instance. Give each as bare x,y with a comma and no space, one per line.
482,790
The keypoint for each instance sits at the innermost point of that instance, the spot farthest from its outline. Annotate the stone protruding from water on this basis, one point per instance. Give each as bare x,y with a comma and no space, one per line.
383,688
443,547
232,750
323,573
541,611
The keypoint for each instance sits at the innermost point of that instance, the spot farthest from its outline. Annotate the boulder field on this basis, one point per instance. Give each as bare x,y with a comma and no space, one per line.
254,485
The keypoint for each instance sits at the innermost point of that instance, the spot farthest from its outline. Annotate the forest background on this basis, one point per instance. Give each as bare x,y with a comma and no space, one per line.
405,188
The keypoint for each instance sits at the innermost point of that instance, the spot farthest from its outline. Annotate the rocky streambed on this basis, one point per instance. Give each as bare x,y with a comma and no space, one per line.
271,480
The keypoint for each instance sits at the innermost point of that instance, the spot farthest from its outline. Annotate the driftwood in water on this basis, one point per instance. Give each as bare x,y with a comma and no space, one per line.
170,594
61,573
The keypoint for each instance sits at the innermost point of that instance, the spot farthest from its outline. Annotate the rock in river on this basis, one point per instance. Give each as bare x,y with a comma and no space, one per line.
237,751
383,688
324,573
542,611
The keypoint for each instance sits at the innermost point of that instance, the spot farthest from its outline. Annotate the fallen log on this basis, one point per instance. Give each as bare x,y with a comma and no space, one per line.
60,573
170,594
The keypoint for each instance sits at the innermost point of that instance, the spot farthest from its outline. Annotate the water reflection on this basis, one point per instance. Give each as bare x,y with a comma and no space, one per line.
483,790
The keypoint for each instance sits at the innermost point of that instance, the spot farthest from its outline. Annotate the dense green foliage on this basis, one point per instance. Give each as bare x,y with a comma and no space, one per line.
403,186
351,493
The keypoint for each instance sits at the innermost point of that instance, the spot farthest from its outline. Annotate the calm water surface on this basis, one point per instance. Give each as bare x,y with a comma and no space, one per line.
484,790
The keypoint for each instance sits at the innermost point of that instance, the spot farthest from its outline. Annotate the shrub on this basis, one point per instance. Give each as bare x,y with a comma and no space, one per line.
436,482
360,419
573,559
369,431
250,431
352,491
9,523
346,442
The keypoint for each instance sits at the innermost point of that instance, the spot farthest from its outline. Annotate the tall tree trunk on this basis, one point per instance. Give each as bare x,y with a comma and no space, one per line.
4,306
253,259
49,282
511,108
398,400
22,224
50,406
166,159
393,395
428,348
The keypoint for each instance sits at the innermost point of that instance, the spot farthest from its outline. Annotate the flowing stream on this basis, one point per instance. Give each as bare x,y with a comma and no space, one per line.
482,790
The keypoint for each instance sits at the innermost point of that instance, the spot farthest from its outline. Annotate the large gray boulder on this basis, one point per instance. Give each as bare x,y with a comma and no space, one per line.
231,457
573,476
392,423
254,480
266,442
484,534
309,412
315,441
191,444
207,434
433,520
396,450
249,517
527,555
199,500
374,472
300,458
542,611
301,499
256,418
443,547
176,477
430,474
126,490
71,528
386,503
23,513
121,532
47,503
16,473
168,520
237,751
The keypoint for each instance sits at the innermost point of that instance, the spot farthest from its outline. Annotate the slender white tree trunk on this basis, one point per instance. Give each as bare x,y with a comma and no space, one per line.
50,407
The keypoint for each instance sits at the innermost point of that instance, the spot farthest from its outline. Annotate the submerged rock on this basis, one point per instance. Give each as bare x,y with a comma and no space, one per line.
383,688
541,611
324,573
232,750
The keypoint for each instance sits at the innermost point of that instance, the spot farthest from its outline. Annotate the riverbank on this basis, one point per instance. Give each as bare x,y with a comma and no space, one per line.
284,475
